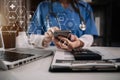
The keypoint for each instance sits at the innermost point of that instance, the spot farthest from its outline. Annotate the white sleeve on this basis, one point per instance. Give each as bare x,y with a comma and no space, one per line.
36,40
87,40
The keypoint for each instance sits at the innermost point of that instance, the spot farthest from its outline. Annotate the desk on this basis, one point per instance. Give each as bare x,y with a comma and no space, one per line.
38,70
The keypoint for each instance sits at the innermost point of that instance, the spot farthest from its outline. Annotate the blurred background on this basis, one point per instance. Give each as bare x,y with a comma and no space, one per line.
17,14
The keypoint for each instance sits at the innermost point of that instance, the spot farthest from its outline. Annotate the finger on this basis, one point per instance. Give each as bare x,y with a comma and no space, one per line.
62,43
65,47
74,44
56,42
64,40
51,30
72,38
48,35
58,45
67,44
55,28
45,43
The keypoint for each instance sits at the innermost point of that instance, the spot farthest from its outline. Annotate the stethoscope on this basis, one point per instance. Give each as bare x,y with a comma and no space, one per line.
48,20
82,25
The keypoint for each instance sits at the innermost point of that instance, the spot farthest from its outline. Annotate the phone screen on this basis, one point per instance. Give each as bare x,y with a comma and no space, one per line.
64,33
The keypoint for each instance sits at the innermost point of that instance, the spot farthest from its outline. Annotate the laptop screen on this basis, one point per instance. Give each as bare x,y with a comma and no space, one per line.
9,38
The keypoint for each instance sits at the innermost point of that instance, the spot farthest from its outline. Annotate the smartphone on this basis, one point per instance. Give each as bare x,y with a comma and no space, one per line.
63,33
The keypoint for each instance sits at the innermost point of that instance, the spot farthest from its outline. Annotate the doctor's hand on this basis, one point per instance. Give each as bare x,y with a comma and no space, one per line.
49,36
69,45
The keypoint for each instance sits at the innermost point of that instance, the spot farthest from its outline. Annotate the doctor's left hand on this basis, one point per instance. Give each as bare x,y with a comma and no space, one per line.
49,36
67,44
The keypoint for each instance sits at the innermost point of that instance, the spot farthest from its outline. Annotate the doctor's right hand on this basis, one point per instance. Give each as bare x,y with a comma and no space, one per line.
49,36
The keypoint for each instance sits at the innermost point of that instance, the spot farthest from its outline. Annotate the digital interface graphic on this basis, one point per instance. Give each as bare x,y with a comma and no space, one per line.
17,13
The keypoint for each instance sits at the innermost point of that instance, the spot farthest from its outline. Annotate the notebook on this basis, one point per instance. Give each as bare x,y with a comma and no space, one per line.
15,57
64,61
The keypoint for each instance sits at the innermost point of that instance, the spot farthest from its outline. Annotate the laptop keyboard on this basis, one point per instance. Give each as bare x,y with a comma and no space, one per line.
13,56
85,54
39,52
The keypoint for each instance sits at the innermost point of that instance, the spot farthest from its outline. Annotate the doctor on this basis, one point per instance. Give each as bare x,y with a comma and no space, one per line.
73,15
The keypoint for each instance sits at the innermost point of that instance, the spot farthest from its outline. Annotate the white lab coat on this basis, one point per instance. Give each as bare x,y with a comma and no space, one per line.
35,40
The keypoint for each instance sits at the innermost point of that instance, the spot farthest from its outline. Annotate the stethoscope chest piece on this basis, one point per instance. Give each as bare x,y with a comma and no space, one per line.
82,26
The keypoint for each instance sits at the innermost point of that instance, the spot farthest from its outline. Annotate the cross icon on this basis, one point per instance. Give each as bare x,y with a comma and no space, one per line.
12,6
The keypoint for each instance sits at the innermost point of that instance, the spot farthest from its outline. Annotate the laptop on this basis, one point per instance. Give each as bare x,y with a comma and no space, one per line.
64,61
11,57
